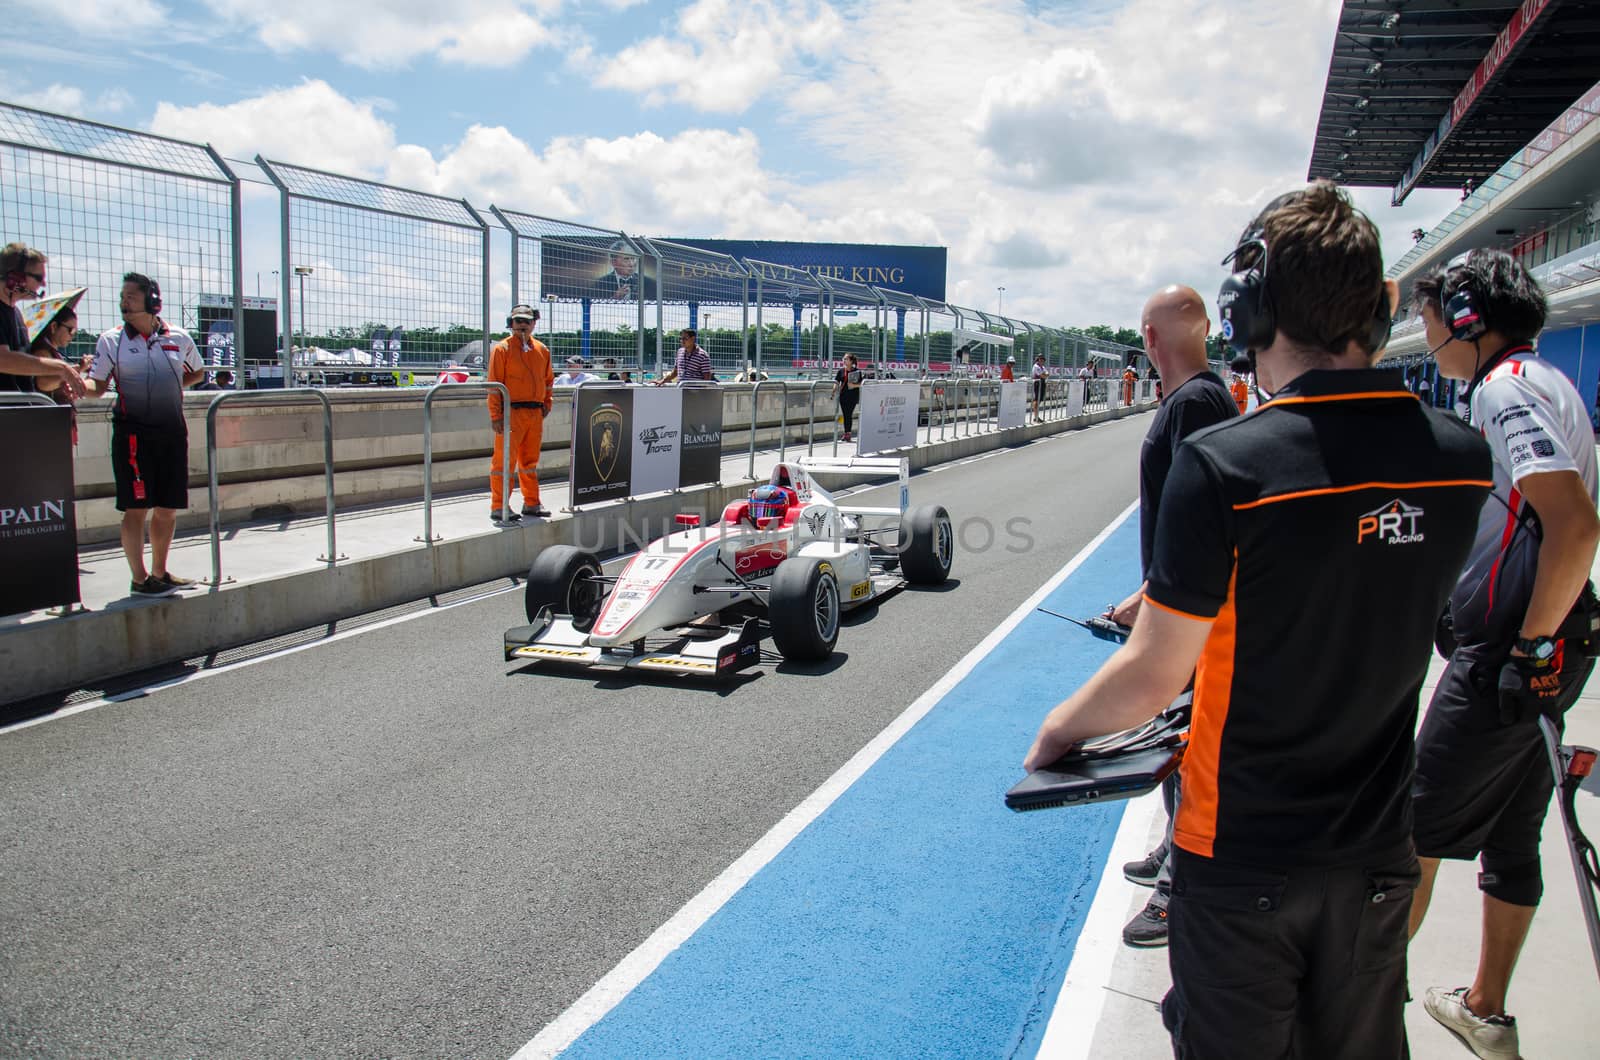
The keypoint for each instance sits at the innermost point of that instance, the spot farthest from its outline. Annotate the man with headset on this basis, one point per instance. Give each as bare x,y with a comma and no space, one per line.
1483,782
151,363
1302,555
522,363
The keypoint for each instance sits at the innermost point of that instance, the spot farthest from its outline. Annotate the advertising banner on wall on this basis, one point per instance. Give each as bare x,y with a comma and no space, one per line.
657,436
700,446
1075,390
888,416
38,525
1013,404
602,458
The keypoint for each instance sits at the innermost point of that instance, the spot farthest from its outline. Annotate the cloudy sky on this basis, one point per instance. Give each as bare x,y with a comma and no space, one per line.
1079,153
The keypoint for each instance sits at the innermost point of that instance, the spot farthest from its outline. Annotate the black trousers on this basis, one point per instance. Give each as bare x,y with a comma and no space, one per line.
1302,963
847,407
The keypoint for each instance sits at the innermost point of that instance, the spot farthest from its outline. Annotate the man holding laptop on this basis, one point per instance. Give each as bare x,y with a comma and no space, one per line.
1302,555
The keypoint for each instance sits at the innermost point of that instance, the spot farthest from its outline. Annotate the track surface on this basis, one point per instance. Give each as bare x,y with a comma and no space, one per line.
398,845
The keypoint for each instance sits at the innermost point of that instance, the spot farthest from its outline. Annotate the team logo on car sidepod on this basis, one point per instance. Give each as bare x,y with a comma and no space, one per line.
605,432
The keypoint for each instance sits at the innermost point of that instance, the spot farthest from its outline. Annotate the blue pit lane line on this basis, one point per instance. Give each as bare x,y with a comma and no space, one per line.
916,916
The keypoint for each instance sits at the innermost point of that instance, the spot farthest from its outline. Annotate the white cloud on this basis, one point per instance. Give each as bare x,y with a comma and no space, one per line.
69,99
310,123
1079,159
489,33
109,18
724,55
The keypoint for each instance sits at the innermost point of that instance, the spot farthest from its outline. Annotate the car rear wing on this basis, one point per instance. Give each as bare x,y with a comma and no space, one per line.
865,465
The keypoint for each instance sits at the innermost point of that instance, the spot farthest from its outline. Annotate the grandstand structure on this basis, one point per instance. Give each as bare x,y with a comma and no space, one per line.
1495,98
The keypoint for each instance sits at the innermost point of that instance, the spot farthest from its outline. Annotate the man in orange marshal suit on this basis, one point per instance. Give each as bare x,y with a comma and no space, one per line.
522,363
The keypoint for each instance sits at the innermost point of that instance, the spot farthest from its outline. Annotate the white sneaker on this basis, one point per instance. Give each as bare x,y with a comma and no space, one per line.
1490,1037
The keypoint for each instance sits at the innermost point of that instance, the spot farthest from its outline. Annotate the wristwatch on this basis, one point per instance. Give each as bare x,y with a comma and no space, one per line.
1540,648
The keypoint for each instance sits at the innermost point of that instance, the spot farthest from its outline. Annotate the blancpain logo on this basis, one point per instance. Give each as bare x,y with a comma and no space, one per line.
42,518
702,435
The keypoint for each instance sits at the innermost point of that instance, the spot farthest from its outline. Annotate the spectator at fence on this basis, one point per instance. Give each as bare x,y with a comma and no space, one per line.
1284,566
1008,371
1174,326
1041,377
612,374
222,380
1240,386
574,375
693,364
1483,782
522,363
52,342
847,389
150,363
22,277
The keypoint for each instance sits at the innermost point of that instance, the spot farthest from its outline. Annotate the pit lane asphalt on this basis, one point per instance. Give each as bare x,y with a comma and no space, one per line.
399,845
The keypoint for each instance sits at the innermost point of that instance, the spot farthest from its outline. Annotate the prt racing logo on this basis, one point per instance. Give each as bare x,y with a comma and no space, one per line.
1396,523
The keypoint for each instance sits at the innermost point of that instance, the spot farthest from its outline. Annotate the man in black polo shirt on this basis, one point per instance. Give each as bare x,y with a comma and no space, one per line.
1302,555
1174,327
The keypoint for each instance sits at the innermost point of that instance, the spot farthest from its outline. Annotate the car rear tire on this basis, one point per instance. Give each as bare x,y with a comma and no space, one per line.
803,609
566,580
926,544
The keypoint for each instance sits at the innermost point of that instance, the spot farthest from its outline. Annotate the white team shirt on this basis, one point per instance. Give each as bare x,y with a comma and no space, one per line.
148,372
574,378
1534,422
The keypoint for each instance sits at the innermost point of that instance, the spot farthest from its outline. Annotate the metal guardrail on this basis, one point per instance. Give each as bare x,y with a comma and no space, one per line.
20,400
265,397
755,406
428,537
811,417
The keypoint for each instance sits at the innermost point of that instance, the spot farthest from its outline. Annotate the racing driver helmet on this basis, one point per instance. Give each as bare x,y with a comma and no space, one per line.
769,502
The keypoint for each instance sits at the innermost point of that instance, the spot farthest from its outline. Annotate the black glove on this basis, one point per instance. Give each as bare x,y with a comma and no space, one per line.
1444,635
1529,688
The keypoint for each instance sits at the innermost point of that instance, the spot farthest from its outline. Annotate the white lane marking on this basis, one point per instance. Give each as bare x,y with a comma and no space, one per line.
637,966
1070,1033
199,675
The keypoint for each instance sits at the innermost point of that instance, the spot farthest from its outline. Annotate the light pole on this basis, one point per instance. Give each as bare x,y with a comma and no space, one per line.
550,326
1000,312
303,271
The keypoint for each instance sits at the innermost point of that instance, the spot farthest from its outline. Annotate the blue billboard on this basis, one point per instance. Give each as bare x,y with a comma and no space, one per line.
914,270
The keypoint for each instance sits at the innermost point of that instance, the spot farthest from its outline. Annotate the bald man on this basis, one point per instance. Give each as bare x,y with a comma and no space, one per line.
1174,326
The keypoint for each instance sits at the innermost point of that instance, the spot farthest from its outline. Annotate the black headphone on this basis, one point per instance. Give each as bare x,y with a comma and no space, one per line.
1461,312
152,295
1249,321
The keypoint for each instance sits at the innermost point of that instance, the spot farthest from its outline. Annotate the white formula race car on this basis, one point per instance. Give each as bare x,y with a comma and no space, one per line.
787,562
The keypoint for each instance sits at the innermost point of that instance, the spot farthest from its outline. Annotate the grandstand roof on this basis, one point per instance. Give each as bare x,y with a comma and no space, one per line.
1436,93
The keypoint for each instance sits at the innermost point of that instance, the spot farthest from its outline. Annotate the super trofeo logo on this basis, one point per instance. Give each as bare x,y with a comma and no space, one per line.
1396,523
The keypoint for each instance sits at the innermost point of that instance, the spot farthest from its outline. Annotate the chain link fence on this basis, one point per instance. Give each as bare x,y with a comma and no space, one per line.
392,280
361,258
103,201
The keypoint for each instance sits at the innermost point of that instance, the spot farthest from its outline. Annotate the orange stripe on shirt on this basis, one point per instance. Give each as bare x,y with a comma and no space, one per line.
1196,827
1362,486
1318,399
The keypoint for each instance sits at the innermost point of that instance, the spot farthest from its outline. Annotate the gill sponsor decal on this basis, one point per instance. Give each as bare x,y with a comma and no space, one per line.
1396,523
760,557
563,653
860,589
673,661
